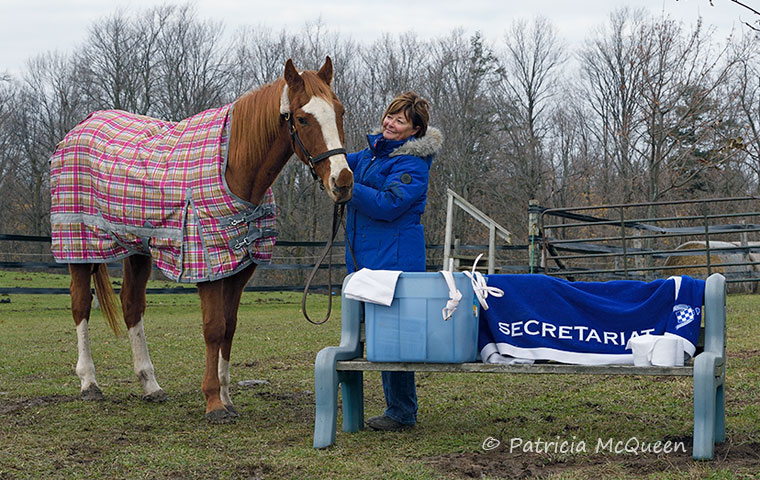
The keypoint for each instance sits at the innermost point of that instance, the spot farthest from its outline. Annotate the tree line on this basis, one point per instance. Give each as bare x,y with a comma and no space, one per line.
645,109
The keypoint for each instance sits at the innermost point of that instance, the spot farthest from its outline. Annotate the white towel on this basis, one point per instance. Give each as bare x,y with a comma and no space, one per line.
374,286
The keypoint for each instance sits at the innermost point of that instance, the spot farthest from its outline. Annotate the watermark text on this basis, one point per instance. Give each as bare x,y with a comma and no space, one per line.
572,446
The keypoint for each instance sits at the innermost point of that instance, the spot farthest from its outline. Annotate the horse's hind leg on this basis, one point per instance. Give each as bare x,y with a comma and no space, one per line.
81,303
136,274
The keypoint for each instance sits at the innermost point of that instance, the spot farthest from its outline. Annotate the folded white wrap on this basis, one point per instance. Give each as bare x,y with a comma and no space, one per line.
661,350
374,286
490,354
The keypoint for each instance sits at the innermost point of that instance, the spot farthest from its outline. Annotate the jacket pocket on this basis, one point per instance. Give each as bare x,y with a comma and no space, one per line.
378,248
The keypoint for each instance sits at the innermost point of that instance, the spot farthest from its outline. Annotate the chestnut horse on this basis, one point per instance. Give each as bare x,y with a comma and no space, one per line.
298,113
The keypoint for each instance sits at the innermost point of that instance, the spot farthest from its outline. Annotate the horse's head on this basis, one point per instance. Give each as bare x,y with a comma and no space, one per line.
315,121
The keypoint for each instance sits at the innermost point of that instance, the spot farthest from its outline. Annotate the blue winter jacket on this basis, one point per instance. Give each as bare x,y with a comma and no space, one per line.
390,192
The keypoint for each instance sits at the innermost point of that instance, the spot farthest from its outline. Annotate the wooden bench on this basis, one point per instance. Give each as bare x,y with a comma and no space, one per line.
344,365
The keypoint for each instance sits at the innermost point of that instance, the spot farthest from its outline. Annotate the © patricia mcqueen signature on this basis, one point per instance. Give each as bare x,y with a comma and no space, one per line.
630,446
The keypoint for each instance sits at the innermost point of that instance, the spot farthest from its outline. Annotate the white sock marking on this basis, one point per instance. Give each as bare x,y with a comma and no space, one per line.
141,359
224,380
85,367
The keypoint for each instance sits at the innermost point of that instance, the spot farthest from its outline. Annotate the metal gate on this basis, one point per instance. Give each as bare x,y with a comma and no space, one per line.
644,241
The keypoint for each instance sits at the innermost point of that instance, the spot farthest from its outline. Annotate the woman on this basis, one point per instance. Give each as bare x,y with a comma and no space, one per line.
383,220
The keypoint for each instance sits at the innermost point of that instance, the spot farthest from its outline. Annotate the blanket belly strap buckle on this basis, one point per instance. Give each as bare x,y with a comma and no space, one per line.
146,239
248,216
250,237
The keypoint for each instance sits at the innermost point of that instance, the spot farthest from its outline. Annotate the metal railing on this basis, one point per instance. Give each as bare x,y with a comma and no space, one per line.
651,240
494,229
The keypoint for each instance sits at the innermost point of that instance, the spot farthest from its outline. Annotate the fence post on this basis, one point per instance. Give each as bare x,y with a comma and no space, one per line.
491,248
533,235
707,238
624,241
447,233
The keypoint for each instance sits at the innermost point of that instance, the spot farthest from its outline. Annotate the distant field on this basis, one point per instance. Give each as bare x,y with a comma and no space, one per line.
47,432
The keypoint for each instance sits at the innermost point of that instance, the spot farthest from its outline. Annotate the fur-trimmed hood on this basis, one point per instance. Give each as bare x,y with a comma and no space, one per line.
424,147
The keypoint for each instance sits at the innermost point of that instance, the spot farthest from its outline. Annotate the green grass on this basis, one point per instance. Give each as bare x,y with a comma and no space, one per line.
46,432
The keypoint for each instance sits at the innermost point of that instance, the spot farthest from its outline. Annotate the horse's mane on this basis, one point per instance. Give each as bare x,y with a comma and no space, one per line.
257,115
256,120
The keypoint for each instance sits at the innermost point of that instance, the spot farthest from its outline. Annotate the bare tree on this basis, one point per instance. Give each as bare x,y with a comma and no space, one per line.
746,84
681,102
255,58
458,75
52,93
611,72
192,65
573,171
118,61
523,100
8,154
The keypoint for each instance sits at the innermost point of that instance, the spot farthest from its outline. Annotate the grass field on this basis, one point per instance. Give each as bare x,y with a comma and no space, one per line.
47,432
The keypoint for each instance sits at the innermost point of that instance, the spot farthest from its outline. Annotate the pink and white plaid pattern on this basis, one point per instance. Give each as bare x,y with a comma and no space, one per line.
125,184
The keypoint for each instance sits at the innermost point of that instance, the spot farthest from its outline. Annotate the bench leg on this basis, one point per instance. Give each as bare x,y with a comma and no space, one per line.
326,398
720,414
353,400
709,408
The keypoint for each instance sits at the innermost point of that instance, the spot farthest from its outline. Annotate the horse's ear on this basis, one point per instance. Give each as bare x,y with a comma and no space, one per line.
292,78
326,72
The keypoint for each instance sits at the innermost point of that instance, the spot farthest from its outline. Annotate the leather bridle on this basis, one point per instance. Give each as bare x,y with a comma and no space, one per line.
310,160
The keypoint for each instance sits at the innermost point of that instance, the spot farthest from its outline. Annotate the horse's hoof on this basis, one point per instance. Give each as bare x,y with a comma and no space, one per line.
92,394
232,410
220,416
156,397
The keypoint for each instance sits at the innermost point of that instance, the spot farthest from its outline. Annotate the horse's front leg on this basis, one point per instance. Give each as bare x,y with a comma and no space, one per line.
212,307
233,290
136,273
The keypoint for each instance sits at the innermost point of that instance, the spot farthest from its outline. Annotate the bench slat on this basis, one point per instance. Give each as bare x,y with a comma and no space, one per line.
362,364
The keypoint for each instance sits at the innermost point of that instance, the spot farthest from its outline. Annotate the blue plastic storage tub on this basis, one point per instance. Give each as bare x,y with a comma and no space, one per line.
412,328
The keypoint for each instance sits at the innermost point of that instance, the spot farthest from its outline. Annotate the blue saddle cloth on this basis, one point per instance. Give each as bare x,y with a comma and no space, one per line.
547,318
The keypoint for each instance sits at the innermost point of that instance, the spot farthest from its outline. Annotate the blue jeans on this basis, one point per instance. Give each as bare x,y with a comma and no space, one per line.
400,397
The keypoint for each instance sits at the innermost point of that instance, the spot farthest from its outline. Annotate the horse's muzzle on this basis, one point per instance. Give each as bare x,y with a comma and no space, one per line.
342,187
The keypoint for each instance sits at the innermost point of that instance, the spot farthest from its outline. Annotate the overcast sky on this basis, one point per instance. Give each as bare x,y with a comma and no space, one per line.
32,27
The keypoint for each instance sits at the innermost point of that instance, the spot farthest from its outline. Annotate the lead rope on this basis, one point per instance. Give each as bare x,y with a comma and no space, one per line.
336,221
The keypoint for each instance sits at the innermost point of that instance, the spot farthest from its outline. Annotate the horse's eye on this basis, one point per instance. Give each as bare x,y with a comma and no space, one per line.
302,121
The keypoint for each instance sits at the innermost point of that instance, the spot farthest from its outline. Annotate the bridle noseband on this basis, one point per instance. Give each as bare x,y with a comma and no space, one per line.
311,161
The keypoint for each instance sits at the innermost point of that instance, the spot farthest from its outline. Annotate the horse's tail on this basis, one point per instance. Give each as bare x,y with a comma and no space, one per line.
107,298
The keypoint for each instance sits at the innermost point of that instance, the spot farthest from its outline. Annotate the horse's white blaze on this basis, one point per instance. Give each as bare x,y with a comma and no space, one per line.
224,380
141,359
324,112
85,366
284,102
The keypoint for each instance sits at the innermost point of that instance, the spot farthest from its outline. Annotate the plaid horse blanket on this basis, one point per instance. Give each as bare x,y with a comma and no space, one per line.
125,184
